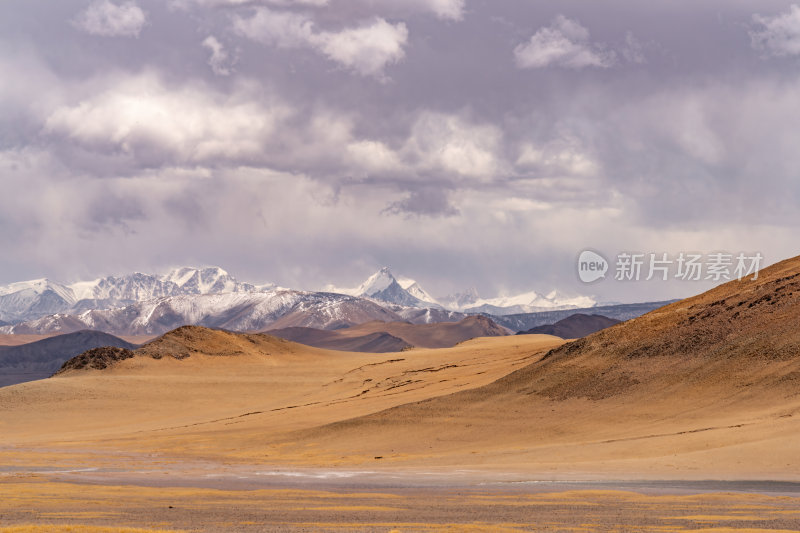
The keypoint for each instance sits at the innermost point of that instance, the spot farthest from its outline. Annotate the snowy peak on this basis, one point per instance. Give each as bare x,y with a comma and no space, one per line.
526,302
414,289
35,297
208,280
383,286
35,286
28,300
376,283
461,300
419,293
133,287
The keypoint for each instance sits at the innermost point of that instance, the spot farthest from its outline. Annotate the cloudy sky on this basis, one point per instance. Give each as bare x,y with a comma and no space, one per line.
463,142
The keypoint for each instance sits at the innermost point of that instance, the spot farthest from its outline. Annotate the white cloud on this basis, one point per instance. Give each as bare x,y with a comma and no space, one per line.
448,143
368,48
141,118
365,49
373,156
107,19
220,60
438,144
277,28
778,35
564,43
563,157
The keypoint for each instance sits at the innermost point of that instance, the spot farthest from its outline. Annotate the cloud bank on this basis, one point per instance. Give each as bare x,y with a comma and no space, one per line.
108,19
464,143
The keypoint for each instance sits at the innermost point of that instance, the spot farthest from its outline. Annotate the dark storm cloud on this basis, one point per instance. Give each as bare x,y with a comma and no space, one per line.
310,141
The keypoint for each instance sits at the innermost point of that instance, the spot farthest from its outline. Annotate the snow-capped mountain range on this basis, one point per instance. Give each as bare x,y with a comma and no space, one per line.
28,300
143,304
528,302
384,287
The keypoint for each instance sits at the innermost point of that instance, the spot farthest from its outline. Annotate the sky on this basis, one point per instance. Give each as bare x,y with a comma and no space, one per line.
464,143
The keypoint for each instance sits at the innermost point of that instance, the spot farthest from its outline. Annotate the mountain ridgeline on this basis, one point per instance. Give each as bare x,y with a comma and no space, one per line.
394,336
574,326
38,360
144,304
33,299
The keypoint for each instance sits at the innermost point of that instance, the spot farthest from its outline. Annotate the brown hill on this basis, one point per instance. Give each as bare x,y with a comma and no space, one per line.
39,359
196,340
185,342
363,336
16,340
378,342
574,326
97,359
709,384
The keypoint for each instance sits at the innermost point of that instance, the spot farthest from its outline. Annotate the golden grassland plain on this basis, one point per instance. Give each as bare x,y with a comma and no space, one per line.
40,505
286,404
188,433
165,422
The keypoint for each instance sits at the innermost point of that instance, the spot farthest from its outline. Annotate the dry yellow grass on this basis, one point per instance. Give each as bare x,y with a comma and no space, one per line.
54,528
418,510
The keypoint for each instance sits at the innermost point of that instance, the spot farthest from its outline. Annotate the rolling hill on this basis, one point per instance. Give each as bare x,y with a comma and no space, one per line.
175,393
39,359
574,326
394,336
378,342
707,386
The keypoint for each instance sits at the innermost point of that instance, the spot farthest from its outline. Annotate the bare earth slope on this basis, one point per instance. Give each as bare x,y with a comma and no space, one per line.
708,387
